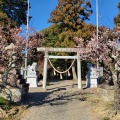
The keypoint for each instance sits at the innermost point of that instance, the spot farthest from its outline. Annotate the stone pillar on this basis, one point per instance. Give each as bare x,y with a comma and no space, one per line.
45,69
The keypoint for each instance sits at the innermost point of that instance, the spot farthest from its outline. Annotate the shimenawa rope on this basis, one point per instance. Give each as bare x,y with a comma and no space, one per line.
61,71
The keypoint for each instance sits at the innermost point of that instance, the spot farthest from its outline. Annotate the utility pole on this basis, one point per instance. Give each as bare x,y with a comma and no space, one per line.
27,36
97,31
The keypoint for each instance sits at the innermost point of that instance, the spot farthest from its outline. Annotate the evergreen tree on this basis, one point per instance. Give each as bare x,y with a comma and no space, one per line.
117,18
68,18
71,13
15,10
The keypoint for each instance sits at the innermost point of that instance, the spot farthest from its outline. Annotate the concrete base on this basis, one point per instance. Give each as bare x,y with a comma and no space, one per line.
93,82
32,81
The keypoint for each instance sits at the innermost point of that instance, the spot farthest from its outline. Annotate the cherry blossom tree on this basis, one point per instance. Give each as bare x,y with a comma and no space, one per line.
106,49
12,44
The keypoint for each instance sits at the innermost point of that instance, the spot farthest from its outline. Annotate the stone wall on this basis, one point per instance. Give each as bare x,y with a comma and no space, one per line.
105,94
13,94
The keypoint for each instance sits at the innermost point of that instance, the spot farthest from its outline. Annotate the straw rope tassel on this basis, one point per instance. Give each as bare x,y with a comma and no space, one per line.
54,72
61,76
68,73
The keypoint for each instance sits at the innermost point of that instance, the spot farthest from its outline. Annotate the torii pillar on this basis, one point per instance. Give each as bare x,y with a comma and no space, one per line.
45,69
79,71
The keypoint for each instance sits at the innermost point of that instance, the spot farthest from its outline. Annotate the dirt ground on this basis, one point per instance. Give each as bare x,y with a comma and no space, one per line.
62,100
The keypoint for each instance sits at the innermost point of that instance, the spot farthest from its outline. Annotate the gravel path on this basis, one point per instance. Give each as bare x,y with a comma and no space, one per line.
61,101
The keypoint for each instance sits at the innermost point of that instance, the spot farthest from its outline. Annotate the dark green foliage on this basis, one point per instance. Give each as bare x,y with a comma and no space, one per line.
51,35
84,69
14,10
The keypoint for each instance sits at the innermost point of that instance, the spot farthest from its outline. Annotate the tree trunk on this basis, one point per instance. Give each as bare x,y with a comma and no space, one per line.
116,92
116,88
74,72
117,97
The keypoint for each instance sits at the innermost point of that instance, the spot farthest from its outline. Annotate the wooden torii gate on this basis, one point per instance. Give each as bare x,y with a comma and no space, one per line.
47,49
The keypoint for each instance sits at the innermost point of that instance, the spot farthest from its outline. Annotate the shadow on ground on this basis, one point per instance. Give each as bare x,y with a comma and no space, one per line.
53,96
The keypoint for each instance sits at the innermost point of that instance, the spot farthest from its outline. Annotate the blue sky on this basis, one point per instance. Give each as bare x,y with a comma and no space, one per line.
41,9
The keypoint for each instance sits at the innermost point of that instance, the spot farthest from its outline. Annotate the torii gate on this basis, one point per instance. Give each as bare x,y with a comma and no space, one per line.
48,49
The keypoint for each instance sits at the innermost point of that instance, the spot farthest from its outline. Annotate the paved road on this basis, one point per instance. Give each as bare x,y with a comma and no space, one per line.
62,101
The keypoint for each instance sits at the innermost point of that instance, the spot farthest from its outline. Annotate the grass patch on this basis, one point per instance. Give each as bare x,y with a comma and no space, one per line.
106,118
3,101
9,109
5,104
